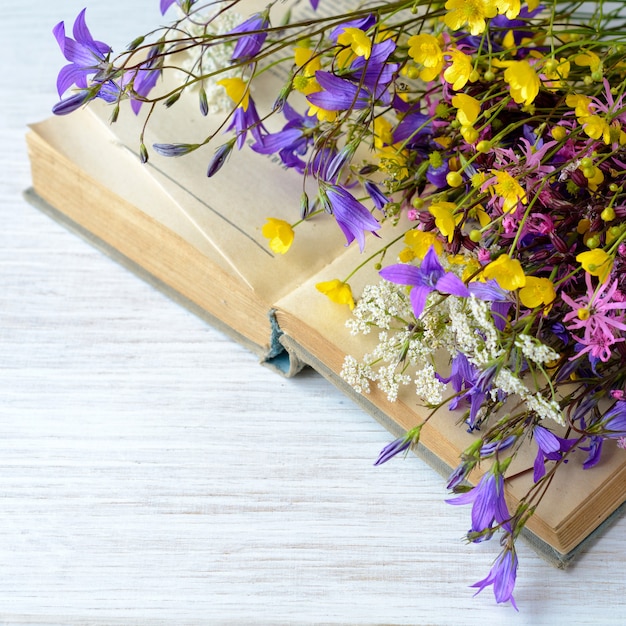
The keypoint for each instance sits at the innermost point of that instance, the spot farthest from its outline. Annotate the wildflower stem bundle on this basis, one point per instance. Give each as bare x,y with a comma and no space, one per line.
489,136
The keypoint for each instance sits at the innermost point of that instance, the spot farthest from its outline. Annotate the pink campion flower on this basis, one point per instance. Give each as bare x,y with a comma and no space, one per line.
595,313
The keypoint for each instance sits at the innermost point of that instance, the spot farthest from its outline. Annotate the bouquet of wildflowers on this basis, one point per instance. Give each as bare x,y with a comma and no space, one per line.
491,134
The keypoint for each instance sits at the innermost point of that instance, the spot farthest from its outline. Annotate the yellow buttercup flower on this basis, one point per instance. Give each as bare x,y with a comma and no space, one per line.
304,81
596,262
507,272
418,243
337,291
537,291
472,271
393,161
596,127
425,50
468,108
237,90
596,180
589,59
523,82
383,132
323,115
470,12
279,233
509,190
510,8
445,219
579,103
459,72
555,71
357,40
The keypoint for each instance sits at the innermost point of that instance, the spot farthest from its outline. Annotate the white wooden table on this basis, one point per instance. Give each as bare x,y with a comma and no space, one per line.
152,472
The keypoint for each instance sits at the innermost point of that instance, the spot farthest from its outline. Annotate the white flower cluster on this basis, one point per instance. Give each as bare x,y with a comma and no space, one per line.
534,350
406,347
511,384
380,306
211,58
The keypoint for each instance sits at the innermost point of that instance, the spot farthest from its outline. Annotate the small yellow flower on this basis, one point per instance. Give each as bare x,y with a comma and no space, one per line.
596,127
523,82
596,180
507,272
337,291
304,81
323,115
508,189
478,212
579,103
425,50
555,71
470,12
393,161
468,108
537,291
237,90
459,72
445,219
383,132
472,271
510,8
279,233
589,59
470,134
596,262
357,40
418,243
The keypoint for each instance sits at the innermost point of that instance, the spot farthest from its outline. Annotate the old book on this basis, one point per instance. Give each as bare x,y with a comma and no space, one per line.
200,241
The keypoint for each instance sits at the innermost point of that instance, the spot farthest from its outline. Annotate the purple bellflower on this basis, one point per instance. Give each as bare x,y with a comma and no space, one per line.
166,4
362,23
464,376
89,57
247,119
338,94
352,217
502,576
488,505
379,199
86,56
549,448
614,422
292,142
366,80
428,277
253,37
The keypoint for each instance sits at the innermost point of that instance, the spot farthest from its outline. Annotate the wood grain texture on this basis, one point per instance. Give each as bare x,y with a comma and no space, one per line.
151,472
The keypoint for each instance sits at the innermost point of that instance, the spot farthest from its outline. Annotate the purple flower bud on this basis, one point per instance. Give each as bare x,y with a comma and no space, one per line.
219,158
391,449
174,149
72,103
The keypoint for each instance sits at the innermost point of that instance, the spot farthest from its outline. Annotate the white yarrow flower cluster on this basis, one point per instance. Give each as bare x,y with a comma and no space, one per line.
534,350
407,347
428,386
202,60
380,306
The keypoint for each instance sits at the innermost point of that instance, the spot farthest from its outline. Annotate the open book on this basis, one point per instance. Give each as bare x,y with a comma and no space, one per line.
200,240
